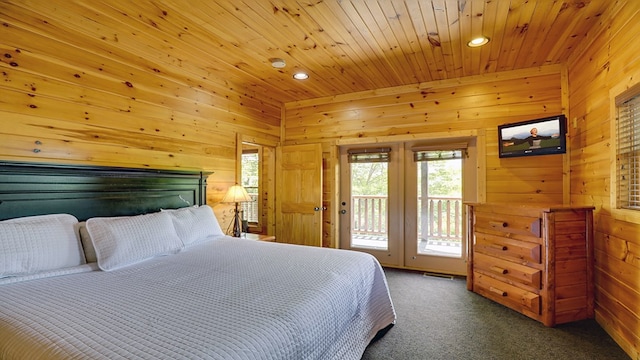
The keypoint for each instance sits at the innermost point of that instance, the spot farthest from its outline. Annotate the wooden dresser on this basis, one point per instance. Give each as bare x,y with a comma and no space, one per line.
537,260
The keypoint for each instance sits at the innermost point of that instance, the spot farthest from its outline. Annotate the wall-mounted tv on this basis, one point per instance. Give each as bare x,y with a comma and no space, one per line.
533,137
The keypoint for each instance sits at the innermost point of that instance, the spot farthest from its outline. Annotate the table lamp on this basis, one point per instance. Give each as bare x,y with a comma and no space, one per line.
236,194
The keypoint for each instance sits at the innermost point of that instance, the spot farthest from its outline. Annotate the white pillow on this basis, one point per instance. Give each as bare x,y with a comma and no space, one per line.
126,240
38,243
194,224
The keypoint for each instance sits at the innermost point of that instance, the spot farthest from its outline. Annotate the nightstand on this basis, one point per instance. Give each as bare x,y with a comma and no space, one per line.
259,237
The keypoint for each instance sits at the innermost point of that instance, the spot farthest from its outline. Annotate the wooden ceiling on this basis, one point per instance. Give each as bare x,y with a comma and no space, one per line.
345,45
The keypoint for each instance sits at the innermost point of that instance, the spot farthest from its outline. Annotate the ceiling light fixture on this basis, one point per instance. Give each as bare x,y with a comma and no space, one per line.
301,75
477,42
278,63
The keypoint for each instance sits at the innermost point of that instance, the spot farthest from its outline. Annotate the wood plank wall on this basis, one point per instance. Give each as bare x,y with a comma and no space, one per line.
610,60
473,104
68,96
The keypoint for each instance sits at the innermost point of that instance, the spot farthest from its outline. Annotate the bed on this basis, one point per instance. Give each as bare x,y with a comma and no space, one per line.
131,264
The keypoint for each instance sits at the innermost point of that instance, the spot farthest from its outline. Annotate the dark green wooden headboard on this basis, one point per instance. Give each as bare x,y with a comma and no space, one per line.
87,191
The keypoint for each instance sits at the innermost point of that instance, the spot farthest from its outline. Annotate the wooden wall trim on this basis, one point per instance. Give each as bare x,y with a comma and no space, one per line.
566,158
628,82
402,138
469,80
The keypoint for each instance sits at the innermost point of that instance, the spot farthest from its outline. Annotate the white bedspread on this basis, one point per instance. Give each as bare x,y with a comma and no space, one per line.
224,299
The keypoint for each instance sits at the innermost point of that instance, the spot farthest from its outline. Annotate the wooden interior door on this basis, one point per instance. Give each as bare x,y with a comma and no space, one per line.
299,194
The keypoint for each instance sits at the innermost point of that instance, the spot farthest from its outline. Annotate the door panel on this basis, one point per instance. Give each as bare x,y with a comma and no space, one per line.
299,194
435,235
373,211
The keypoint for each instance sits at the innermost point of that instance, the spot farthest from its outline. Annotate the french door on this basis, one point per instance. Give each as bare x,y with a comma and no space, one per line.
371,189
434,233
403,203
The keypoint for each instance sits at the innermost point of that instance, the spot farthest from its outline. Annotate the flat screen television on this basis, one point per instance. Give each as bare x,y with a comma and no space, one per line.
542,136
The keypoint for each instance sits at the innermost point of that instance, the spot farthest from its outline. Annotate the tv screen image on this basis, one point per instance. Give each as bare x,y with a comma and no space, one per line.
543,136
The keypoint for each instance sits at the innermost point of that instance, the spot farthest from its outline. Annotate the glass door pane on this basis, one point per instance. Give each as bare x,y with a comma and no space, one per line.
250,181
369,205
439,211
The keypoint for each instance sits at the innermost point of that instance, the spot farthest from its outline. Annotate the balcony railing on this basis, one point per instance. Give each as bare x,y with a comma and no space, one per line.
441,219
442,216
250,209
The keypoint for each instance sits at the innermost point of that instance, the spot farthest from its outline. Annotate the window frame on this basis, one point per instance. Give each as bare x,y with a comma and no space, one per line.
618,95
257,150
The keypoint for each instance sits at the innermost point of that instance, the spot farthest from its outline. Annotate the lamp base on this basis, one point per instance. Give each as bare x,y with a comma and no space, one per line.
237,227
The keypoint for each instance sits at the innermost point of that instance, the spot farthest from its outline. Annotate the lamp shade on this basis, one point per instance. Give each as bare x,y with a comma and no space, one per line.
236,194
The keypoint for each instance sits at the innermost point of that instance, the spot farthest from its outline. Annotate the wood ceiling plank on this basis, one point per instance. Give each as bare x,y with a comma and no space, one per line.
405,34
519,33
497,37
511,30
464,24
364,61
361,63
572,24
431,23
276,24
452,22
366,25
536,34
477,30
585,18
348,55
488,62
352,35
387,38
348,46
207,46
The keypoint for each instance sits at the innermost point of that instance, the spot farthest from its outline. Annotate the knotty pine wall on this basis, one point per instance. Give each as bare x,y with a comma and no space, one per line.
468,105
68,96
610,60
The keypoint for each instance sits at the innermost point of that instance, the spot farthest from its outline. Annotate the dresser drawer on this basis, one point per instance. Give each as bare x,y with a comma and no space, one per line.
508,295
508,270
503,247
514,224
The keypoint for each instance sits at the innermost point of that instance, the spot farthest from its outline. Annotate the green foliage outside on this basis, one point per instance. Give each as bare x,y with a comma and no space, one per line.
372,178
250,164
445,178
369,179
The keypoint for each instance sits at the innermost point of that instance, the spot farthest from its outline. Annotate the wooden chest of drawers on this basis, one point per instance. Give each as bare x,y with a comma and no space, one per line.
537,260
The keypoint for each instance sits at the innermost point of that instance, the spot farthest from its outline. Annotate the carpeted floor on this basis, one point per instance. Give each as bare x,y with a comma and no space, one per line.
439,319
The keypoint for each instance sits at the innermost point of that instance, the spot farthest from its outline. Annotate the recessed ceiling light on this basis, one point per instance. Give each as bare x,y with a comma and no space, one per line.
278,63
479,41
300,75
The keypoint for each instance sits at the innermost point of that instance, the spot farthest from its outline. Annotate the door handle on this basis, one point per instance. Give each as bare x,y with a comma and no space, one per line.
343,211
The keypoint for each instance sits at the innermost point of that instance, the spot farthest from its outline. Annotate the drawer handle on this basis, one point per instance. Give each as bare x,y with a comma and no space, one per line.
498,224
498,247
499,270
497,291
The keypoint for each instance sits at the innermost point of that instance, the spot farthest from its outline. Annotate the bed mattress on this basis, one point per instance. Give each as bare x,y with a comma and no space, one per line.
227,298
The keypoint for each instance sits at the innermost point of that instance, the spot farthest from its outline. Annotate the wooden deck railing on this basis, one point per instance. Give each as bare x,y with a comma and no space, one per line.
442,217
250,209
369,214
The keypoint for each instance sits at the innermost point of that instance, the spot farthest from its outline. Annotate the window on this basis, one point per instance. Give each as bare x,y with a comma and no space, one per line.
251,183
627,107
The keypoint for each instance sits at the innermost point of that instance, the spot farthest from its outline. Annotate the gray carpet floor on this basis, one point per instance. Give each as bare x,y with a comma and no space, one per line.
437,318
